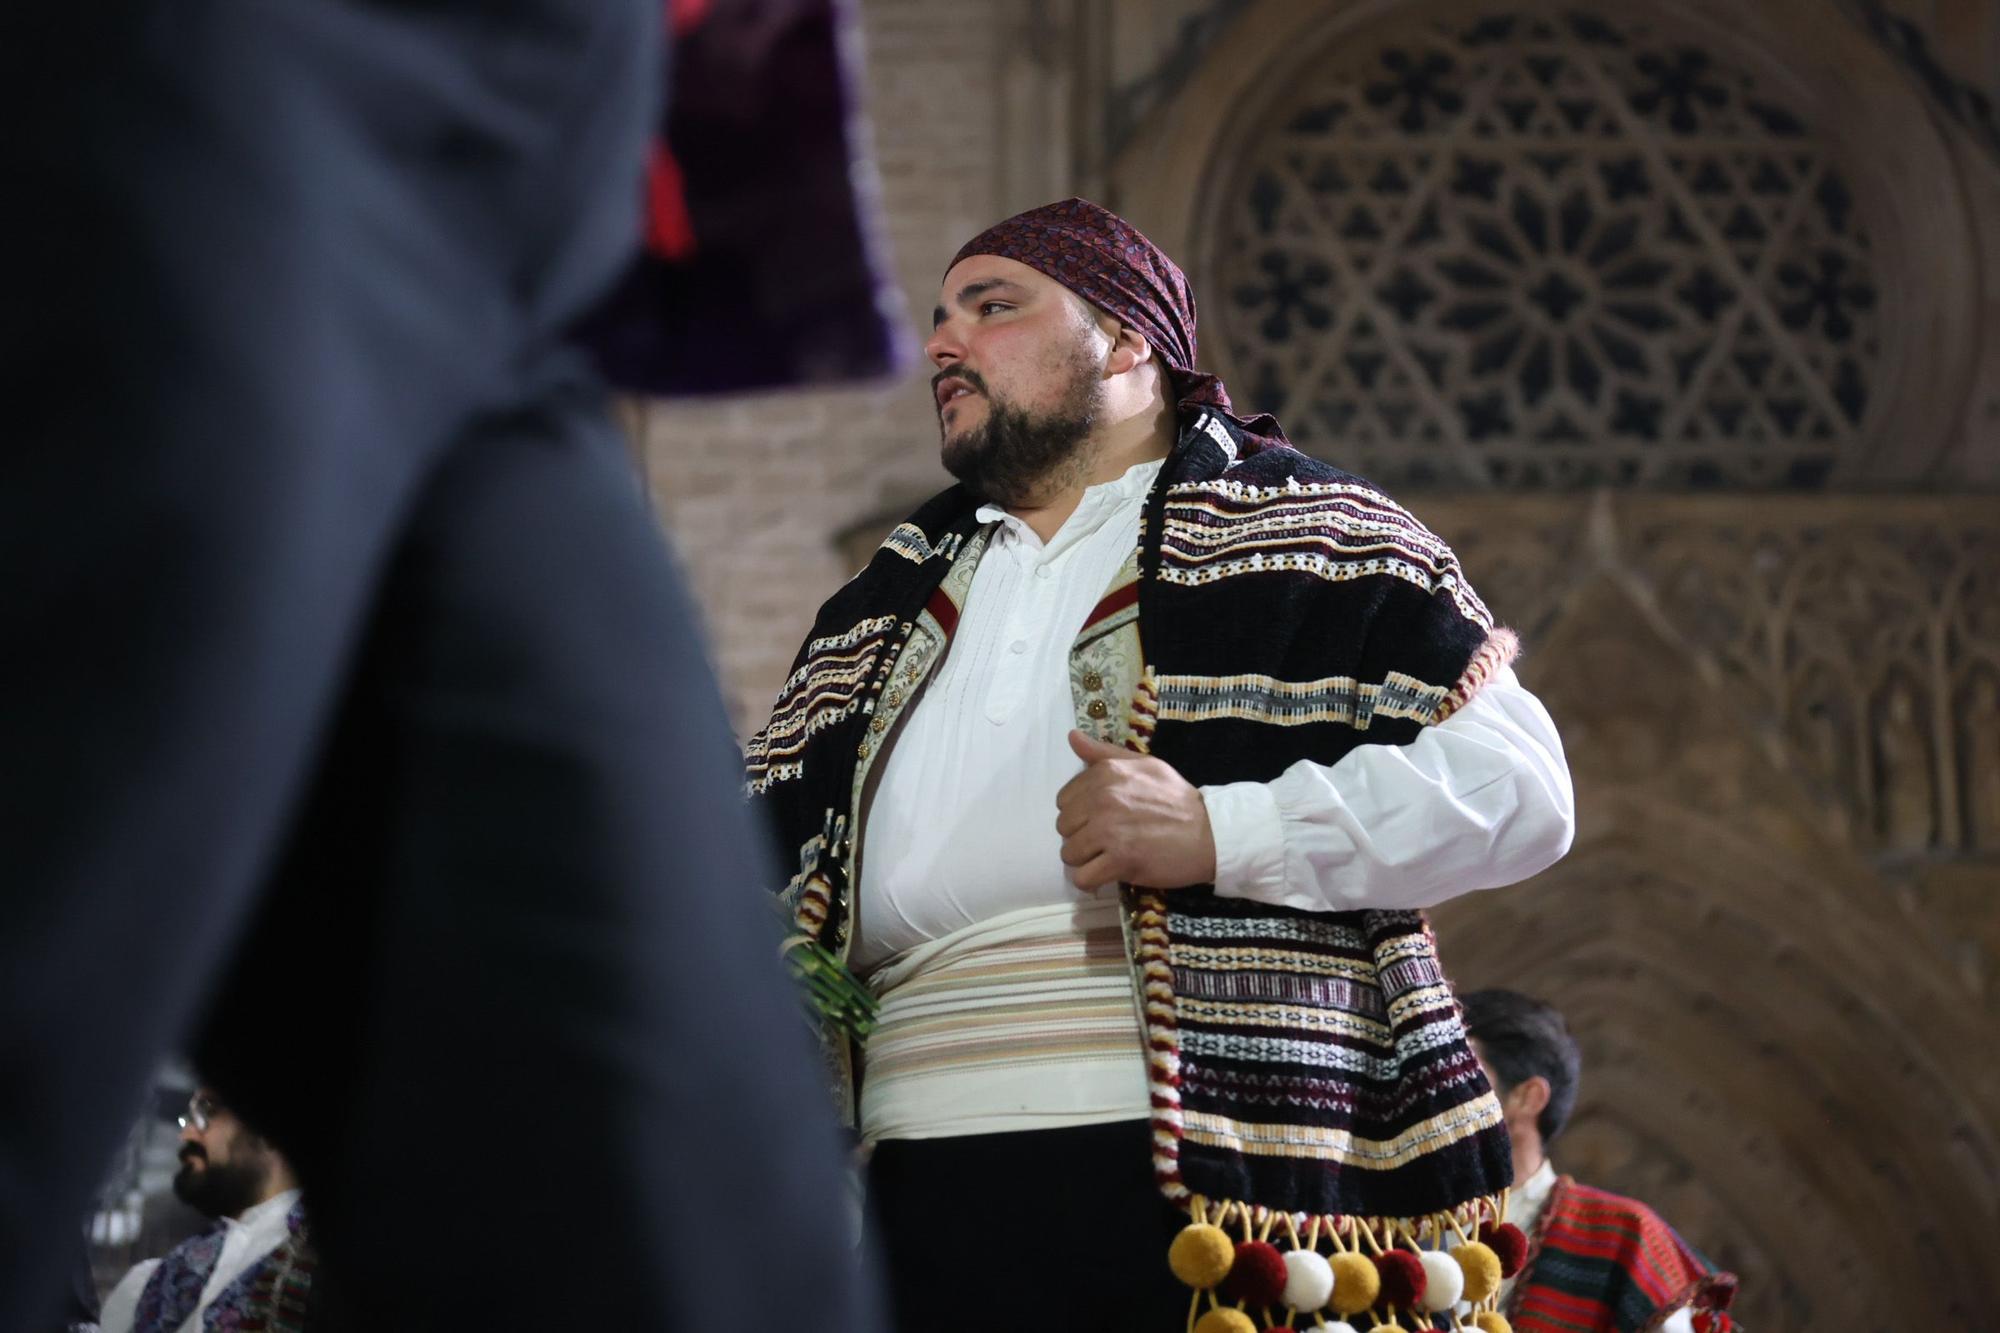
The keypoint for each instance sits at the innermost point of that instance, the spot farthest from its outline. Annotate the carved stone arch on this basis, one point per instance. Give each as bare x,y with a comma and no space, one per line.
1976,707
1774,1056
1179,176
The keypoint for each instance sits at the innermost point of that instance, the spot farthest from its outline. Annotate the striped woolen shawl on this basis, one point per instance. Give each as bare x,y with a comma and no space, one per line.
1308,1063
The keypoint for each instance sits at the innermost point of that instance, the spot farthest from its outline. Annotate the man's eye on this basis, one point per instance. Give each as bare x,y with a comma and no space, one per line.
988,307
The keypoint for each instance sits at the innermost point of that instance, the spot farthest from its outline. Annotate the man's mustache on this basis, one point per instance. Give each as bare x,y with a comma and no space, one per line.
191,1152
971,377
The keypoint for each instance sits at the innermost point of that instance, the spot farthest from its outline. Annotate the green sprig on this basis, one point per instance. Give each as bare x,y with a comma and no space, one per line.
832,993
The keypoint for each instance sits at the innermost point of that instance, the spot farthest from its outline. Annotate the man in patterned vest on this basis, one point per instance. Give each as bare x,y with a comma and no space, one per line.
1595,1260
254,1268
1144,643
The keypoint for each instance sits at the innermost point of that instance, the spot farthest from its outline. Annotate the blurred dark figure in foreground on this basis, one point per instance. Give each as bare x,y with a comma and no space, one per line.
254,1267
76,1312
349,696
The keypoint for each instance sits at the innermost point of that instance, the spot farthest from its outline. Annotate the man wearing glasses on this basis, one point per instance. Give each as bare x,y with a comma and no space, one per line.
255,1262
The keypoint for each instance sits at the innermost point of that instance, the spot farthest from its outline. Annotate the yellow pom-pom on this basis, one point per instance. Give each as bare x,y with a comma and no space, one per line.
1225,1321
1356,1283
1201,1255
1482,1270
1488,1321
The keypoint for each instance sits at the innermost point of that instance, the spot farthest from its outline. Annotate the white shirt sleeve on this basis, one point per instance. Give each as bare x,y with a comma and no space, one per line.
1480,800
121,1308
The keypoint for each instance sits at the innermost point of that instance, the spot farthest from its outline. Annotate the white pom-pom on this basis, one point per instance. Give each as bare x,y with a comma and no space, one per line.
1337,1326
1308,1280
1444,1281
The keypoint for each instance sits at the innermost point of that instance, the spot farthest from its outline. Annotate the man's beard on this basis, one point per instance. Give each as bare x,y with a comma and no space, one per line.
1018,457
222,1191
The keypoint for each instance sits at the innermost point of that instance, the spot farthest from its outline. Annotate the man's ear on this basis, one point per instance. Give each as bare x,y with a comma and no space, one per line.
1530,1096
1129,347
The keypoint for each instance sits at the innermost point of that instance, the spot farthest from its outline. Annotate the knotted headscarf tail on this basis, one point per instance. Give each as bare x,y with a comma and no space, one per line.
1109,263
1295,1271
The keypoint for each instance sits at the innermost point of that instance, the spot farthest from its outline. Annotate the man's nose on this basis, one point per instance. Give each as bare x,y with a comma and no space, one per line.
943,347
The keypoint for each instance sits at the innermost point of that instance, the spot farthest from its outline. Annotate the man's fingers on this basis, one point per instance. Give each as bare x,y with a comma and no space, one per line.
1095,873
1070,818
1080,847
1091,750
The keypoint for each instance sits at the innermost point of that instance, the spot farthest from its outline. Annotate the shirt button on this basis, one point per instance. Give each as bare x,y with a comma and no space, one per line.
1018,646
1092,681
1044,572
1097,708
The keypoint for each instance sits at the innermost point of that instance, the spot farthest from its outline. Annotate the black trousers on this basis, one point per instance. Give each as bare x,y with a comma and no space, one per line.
354,723
1054,1230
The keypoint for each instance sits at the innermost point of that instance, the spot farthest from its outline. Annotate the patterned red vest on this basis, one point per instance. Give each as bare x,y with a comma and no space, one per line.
1602,1263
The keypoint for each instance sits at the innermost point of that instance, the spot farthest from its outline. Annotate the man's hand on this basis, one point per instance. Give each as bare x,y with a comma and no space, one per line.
1131,818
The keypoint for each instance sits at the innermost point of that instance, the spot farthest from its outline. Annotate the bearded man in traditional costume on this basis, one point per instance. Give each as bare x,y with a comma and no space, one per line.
1121,774
254,1268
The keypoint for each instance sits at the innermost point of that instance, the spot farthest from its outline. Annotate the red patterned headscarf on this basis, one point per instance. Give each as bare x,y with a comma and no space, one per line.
1105,260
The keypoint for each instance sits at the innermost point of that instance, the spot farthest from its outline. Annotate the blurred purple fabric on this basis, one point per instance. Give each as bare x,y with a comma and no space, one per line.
776,273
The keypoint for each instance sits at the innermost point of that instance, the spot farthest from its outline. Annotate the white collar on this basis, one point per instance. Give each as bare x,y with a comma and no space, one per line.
1524,1205
267,1215
1092,512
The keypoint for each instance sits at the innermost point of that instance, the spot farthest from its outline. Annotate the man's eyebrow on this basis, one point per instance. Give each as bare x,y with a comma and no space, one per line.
972,289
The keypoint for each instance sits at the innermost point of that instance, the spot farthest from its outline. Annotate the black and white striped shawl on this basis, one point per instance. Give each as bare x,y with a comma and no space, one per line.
1312,1064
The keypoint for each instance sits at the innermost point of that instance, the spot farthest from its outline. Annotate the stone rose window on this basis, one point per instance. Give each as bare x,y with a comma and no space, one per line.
1544,250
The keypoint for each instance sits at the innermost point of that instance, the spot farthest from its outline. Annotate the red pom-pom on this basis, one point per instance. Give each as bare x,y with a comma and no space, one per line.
1509,1243
1403,1279
1257,1276
1712,1321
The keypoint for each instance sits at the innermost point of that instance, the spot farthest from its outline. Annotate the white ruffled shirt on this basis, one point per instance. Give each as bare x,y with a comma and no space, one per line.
245,1240
962,825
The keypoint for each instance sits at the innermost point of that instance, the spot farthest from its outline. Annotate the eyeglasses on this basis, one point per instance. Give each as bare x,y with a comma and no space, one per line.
200,1109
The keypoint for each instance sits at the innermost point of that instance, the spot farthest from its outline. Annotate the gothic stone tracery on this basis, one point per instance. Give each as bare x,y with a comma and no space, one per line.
1547,249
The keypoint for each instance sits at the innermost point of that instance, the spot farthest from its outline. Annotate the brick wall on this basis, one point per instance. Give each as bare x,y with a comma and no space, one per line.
755,491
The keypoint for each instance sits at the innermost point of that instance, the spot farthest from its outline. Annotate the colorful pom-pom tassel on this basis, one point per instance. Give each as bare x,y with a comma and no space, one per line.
1225,1321
1444,1281
1509,1242
1258,1275
1356,1283
1402,1279
1201,1255
1482,1270
1308,1280
1337,1326
1491,1321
